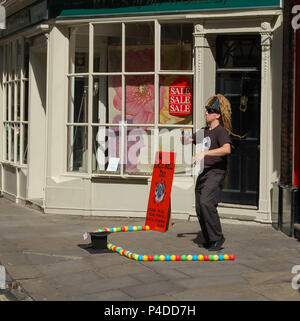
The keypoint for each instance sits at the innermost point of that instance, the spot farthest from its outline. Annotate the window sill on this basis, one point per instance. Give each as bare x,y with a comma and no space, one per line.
13,164
110,177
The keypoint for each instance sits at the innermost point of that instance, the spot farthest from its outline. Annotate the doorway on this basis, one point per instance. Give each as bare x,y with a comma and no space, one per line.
238,77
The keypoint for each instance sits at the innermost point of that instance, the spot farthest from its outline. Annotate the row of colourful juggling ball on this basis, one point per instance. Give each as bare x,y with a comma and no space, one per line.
195,257
124,229
140,257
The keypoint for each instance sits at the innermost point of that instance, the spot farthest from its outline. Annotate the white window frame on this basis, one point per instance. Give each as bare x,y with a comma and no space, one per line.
14,76
156,73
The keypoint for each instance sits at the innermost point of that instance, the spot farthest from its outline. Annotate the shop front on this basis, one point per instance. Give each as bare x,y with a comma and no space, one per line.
109,85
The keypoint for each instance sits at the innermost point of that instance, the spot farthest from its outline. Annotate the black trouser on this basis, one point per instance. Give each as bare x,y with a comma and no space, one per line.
207,192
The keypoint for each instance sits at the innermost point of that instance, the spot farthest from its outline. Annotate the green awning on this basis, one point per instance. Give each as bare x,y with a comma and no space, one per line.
104,8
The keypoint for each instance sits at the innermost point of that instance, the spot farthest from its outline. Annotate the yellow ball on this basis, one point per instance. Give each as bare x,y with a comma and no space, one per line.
145,258
115,229
126,228
135,228
216,257
200,257
161,257
173,257
226,257
122,252
190,257
136,257
147,227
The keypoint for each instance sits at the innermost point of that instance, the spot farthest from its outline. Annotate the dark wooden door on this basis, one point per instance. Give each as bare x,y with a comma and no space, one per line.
241,184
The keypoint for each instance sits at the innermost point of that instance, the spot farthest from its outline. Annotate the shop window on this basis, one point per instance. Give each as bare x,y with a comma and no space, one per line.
119,103
15,85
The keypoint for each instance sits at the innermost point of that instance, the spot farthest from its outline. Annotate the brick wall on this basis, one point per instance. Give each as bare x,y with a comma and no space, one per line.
287,97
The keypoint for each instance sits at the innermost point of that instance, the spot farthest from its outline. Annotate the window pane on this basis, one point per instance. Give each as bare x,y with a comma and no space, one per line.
139,47
12,142
18,58
6,63
176,99
26,59
139,151
107,103
170,141
238,52
6,91
79,49
18,134
13,60
77,148
12,97
18,87
25,143
26,100
78,100
176,46
139,99
6,141
108,48
106,148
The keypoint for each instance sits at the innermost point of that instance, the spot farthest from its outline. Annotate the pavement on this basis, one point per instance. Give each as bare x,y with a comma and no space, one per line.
47,259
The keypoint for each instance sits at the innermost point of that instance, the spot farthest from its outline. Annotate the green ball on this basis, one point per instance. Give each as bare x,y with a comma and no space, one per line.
156,257
211,257
119,229
183,257
139,228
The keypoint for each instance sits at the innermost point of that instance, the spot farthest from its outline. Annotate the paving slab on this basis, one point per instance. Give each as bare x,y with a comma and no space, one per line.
152,289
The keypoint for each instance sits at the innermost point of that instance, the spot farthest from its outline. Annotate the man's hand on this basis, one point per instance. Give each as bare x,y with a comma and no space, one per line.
199,157
185,139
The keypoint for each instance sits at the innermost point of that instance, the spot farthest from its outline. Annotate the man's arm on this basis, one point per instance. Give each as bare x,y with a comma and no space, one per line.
221,151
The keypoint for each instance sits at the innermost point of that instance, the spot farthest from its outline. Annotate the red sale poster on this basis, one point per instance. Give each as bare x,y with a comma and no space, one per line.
180,97
160,191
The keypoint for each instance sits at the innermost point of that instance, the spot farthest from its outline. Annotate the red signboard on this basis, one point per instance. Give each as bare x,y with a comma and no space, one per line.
160,192
180,97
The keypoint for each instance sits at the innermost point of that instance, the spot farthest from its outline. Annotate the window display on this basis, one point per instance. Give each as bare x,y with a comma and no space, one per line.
130,100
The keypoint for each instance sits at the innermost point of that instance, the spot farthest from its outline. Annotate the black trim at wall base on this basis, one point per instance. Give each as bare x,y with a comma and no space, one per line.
285,209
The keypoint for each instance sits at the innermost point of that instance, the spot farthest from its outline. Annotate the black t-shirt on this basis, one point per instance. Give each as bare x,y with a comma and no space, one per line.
213,139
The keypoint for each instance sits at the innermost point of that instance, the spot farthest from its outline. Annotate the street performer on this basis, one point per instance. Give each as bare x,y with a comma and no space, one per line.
216,145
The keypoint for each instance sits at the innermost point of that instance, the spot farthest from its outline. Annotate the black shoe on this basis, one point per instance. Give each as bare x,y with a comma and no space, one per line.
217,246
207,245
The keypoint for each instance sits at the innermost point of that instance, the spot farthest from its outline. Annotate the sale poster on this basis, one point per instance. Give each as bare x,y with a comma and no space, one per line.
180,97
160,191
